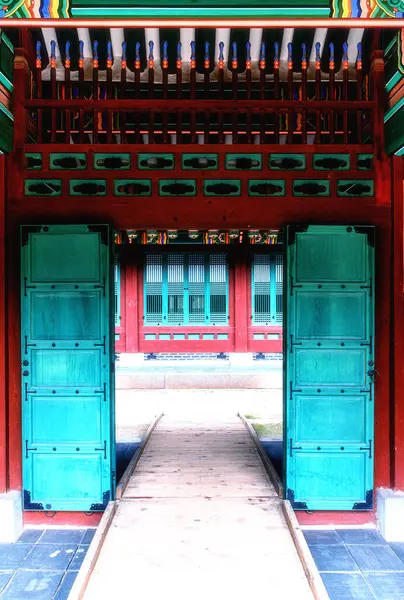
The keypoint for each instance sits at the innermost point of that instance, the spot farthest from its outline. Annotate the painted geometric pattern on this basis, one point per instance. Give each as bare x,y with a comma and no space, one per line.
54,9
34,9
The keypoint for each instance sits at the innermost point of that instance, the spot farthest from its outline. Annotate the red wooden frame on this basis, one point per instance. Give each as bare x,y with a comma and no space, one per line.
204,213
120,345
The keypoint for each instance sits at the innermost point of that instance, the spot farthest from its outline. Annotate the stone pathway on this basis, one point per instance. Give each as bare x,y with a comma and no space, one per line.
199,519
358,564
43,564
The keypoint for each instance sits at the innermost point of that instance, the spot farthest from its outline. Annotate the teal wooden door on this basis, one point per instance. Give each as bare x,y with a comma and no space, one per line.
67,375
329,371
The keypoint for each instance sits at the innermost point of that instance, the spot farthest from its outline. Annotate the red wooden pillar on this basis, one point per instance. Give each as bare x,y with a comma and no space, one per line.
381,160
398,324
132,290
240,307
21,80
3,335
383,356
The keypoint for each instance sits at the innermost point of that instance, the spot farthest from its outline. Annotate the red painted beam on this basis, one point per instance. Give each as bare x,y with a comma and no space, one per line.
188,104
206,23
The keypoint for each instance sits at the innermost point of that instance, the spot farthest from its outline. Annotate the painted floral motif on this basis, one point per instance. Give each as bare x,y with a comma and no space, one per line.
365,9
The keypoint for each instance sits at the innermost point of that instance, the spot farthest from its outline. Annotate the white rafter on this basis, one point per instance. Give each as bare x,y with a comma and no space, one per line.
222,35
152,34
354,38
283,55
117,39
84,36
187,35
49,35
319,36
255,41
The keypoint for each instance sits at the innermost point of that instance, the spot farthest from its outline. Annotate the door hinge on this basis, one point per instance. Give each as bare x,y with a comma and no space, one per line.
103,345
291,390
368,287
292,343
101,287
103,449
368,448
27,391
292,447
103,391
26,345
294,285
369,344
27,449
27,287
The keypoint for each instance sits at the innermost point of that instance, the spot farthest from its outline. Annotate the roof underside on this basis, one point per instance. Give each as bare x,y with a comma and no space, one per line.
256,37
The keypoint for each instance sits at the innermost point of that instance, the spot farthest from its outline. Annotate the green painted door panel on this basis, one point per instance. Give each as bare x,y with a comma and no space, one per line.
331,478
66,315
81,474
67,382
329,352
53,368
314,367
320,419
70,258
336,315
336,257
46,410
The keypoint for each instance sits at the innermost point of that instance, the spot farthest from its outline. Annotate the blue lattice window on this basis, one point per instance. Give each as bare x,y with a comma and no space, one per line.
117,295
267,289
186,289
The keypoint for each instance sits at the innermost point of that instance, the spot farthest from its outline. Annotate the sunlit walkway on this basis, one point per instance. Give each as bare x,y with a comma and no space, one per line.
199,519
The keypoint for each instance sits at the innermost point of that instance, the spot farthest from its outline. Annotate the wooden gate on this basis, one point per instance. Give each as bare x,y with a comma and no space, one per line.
329,353
67,349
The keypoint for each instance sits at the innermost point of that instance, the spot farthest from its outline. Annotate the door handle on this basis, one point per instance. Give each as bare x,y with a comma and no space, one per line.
374,375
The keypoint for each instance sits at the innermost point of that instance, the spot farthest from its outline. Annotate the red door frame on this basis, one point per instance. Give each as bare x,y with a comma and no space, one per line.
3,334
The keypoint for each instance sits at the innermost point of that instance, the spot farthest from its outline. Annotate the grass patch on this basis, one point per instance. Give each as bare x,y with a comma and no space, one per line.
248,416
267,429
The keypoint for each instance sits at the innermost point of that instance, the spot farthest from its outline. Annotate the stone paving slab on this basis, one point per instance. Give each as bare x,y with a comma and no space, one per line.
358,564
42,564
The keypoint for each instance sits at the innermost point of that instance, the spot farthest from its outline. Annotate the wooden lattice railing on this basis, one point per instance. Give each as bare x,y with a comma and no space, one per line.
300,107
